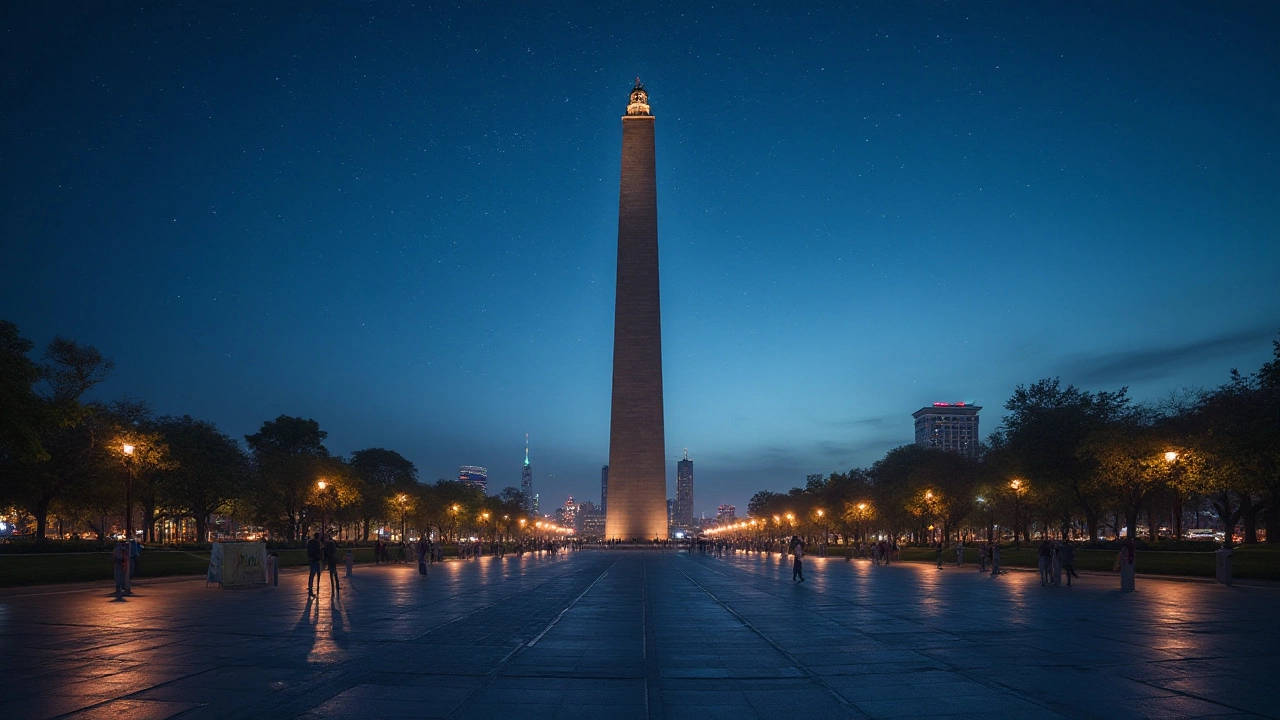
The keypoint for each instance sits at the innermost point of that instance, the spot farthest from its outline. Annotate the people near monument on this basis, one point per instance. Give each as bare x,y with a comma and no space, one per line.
1045,556
797,564
120,565
424,547
1055,565
313,559
329,553
1069,561
135,555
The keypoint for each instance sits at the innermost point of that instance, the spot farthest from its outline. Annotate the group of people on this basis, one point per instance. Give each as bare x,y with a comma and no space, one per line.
322,552
1056,558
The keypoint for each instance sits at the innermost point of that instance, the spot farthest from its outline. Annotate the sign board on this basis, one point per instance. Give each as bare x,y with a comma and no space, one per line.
238,563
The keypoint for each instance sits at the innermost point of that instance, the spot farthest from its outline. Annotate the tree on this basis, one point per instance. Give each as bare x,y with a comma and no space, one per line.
287,454
71,433
386,475
1129,462
19,403
208,470
1040,438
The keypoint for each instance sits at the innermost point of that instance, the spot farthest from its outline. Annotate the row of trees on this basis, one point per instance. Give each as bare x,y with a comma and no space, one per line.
1063,461
88,465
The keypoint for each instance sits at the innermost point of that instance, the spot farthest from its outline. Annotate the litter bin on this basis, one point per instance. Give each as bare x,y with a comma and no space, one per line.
273,570
351,559
1223,556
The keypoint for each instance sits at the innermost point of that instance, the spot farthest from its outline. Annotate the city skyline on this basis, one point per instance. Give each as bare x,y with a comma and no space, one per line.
399,222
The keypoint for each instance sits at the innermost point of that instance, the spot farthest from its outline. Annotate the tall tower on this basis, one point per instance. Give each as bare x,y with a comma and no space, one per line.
637,468
684,493
526,478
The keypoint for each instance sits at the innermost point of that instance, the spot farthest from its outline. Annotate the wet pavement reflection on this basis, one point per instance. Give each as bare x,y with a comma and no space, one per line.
646,635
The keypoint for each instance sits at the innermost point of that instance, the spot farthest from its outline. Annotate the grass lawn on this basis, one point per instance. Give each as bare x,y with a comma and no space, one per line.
1259,562
50,568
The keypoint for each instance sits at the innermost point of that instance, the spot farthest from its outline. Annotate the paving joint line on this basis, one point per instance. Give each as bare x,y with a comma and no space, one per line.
814,677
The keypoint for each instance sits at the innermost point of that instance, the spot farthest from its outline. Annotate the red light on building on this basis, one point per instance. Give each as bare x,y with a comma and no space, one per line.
941,404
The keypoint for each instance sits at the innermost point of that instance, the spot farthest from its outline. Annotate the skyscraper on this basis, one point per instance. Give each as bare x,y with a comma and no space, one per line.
636,434
948,426
526,478
684,493
474,476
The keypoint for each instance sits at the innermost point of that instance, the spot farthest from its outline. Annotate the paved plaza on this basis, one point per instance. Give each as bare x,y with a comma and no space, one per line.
645,634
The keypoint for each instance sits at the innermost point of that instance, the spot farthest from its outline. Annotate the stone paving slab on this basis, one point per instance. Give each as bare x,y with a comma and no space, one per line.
618,635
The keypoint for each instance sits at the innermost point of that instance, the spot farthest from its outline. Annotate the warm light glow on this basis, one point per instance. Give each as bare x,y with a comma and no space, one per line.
523,522
862,506
1170,456
928,495
790,517
322,484
1016,483
821,513
127,448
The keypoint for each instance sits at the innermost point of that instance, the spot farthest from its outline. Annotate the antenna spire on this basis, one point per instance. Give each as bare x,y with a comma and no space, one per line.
686,453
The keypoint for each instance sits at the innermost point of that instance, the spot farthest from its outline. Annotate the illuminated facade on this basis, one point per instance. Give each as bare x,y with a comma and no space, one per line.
474,476
948,426
637,467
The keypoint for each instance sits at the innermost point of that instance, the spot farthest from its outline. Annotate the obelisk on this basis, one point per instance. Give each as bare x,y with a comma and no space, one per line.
637,467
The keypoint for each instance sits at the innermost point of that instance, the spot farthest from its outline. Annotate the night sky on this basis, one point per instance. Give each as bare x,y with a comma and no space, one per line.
401,220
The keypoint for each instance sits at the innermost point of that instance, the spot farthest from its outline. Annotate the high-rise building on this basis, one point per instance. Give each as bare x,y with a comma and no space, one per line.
570,512
526,478
948,426
636,433
536,505
726,514
684,493
604,490
474,476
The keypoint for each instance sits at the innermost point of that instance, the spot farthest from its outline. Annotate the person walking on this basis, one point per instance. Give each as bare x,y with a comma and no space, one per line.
797,565
983,549
313,559
938,557
995,559
329,552
1069,561
1046,551
960,553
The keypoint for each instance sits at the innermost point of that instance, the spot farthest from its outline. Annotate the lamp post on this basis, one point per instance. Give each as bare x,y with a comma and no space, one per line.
324,519
1016,485
822,520
130,472
403,500
1171,457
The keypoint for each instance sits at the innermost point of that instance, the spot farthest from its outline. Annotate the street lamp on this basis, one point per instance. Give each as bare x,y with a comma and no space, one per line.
324,519
403,499
1016,485
130,470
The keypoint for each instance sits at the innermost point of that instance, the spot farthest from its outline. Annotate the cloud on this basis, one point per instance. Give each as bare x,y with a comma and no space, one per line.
865,422
1152,363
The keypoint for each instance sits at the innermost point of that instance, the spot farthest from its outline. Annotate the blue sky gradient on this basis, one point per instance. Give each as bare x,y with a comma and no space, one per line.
400,220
